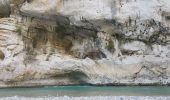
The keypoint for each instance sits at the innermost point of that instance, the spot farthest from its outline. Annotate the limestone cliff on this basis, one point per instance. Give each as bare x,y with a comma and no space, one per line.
63,42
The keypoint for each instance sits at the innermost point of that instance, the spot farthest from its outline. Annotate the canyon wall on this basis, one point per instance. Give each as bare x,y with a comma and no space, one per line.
98,42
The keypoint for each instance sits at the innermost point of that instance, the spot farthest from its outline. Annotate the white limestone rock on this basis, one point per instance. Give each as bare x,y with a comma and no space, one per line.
31,61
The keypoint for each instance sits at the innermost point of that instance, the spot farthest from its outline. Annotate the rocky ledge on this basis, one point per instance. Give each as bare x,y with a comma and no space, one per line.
97,42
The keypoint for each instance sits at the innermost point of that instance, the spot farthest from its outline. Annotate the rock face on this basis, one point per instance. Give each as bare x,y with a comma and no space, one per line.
63,42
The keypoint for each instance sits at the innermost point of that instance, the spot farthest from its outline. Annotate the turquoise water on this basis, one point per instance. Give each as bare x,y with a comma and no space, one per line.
78,91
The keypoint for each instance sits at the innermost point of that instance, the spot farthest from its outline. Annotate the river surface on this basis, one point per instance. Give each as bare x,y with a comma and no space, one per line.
85,91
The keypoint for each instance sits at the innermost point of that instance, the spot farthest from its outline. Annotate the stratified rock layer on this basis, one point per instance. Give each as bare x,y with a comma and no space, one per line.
100,42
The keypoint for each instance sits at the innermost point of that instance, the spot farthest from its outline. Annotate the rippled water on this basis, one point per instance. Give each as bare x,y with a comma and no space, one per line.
86,93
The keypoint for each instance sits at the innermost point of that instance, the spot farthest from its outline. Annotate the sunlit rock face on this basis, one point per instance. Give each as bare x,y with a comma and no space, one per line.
75,9
63,42
97,9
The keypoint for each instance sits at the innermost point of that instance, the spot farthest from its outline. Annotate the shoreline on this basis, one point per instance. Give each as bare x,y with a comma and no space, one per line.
93,85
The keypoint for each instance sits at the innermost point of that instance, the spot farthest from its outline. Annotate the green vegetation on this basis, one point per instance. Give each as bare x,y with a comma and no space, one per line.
168,17
60,32
122,38
110,45
18,30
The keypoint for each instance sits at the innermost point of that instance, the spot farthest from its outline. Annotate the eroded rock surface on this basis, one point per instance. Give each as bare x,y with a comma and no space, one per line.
63,42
